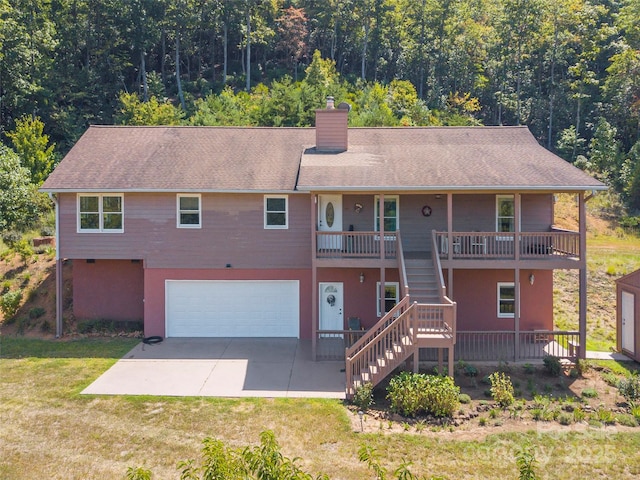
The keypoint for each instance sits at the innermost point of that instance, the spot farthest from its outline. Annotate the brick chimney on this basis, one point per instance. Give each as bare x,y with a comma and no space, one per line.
331,127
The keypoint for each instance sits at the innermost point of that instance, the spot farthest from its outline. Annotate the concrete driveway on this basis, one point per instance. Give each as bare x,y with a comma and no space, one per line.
223,367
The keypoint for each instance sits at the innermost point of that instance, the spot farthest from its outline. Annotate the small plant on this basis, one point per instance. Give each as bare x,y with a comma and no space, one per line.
529,369
590,392
486,380
536,414
494,413
526,461
583,366
611,379
482,421
501,389
412,393
363,396
531,386
36,312
579,415
635,411
406,426
605,416
565,418
24,249
552,365
470,371
138,473
629,387
627,420
9,303
464,398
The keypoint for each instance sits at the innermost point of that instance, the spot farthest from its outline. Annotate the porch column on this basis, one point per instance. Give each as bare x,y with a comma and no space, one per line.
516,316
582,308
314,276
59,272
450,243
516,227
382,252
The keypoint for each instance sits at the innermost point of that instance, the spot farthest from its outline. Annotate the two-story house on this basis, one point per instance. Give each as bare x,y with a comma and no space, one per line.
423,237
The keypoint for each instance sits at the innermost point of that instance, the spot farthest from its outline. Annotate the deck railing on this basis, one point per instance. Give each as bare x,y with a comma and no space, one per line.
504,245
355,244
501,345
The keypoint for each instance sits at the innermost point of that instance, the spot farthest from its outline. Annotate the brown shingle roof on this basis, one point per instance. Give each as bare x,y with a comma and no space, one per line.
182,159
459,158
272,159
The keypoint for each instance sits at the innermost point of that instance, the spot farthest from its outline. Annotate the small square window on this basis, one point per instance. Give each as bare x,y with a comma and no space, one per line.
391,290
189,211
506,300
275,212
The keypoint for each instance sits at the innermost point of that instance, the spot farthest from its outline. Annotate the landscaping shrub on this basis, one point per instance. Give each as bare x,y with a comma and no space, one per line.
363,396
413,393
629,387
552,365
501,389
464,398
11,237
9,303
36,312
589,392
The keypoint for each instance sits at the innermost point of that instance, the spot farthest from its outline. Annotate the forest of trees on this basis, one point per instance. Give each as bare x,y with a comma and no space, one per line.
568,69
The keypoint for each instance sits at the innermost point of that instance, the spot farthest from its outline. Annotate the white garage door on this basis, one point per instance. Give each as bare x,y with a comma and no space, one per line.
211,308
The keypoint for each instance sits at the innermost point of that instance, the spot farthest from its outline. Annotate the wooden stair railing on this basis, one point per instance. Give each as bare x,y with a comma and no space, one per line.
385,346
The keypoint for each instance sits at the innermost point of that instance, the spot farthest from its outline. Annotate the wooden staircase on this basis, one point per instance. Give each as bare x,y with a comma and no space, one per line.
396,337
422,280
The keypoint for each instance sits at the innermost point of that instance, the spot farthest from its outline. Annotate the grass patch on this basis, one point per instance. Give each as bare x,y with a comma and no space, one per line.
50,431
20,347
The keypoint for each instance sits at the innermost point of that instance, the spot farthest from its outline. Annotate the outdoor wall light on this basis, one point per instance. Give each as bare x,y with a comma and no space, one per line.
532,278
228,265
361,277
357,207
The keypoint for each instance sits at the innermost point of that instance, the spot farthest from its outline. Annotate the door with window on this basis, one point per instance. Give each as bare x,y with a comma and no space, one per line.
331,308
330,220
628,319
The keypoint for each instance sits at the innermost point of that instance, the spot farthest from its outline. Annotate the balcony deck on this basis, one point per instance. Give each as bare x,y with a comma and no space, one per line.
553,249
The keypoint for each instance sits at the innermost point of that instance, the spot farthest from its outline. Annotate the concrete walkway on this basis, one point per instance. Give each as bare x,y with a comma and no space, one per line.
223,367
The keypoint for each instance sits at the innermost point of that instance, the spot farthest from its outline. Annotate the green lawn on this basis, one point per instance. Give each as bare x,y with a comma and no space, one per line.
48,430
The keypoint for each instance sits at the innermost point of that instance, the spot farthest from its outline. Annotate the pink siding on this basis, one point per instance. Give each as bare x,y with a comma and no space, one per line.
475,291
154,289
359,298
108,289
232,233
331,130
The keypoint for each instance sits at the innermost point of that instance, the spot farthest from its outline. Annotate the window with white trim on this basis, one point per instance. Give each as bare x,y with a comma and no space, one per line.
390,214
506,300
391,290
189,211
275,211
505,213
101,213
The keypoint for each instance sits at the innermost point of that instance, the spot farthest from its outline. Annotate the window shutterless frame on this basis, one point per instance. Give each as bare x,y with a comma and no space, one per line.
189,210
391,290
506,300
276,212
100,213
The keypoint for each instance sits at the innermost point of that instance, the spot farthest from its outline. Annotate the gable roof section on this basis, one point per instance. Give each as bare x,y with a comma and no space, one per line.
441,158
245,159
109,158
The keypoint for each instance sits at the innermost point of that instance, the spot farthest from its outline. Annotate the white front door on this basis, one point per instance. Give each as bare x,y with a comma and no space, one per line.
330,220
331,307
628,319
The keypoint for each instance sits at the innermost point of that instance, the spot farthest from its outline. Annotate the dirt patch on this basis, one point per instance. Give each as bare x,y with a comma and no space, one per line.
545,403
36,279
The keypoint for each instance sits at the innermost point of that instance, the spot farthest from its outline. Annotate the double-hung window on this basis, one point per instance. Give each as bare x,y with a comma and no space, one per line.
101,213
506,300
275,211
391,290
505,216
189,213
389,215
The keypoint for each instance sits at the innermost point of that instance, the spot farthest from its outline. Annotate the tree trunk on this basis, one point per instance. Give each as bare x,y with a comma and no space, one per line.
178,81
225,40
143,74
248,49
364,50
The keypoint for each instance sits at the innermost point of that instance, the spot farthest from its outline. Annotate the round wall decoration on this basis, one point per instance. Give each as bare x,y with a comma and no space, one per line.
426,211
